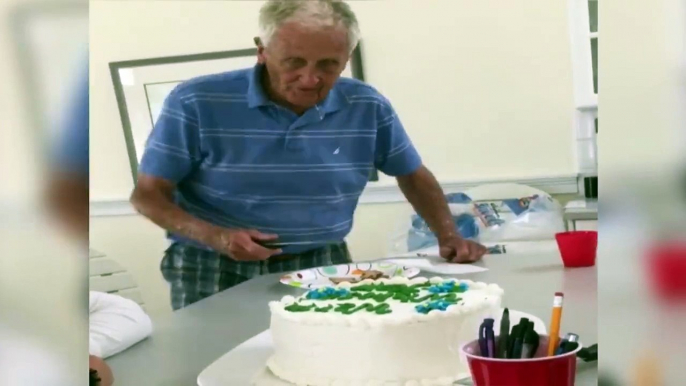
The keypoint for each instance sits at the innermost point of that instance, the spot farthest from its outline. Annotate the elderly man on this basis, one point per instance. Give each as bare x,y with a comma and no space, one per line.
278,153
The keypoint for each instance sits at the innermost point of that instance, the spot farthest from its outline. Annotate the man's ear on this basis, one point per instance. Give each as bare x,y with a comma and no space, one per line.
261,57
260,50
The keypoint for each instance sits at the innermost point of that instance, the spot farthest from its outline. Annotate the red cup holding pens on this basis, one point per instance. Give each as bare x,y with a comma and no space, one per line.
541,370
577,248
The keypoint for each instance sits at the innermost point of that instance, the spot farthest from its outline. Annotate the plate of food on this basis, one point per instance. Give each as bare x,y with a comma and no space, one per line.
352,273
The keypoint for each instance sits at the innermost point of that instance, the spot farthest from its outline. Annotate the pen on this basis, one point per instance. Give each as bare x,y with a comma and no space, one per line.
569,347
519,339
482,340
490,337
504,334
555,318
572,342
528,345
571,337
511,340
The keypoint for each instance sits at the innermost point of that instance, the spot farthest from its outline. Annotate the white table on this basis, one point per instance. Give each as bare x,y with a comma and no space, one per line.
187,341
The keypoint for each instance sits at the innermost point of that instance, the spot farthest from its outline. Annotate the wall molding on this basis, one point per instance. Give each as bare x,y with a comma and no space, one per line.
383,193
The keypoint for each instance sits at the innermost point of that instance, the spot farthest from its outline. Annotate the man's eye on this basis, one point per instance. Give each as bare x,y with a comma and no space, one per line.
295,63
328,63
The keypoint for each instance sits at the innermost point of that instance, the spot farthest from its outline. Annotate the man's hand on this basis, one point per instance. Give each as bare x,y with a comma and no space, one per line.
242,244
104,371
427,198
455,249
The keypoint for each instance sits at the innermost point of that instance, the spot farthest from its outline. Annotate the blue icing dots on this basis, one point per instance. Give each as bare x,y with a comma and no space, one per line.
440,305
327,293
422,308
447,286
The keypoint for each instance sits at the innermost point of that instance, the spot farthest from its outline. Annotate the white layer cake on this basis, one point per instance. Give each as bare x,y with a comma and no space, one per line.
395,331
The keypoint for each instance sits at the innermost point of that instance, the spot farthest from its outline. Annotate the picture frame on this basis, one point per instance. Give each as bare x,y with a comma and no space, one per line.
141,85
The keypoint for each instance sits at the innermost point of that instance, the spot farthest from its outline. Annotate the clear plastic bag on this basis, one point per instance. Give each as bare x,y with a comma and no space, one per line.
537,217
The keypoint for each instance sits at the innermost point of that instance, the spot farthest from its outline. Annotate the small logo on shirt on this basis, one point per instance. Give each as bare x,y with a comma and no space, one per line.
338,149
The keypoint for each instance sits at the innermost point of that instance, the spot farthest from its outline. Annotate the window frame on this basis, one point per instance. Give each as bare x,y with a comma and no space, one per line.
585,98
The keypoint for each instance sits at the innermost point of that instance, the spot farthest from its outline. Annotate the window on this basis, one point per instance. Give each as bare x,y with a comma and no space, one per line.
583,16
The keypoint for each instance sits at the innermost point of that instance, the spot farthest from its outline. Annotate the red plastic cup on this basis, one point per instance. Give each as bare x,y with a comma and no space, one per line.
577,248
667,269
541,370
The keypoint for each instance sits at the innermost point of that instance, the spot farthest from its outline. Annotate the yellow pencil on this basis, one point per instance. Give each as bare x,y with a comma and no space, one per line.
555,323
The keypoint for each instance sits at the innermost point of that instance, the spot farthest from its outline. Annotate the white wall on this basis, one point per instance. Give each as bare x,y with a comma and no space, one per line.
483,88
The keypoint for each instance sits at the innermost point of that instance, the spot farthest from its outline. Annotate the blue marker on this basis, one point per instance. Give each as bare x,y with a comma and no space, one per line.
490,337
483,345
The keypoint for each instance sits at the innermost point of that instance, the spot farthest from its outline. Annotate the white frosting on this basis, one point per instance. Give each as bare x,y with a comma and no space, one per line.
400,348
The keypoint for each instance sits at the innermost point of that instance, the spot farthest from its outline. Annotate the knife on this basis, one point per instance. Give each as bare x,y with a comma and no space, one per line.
281,244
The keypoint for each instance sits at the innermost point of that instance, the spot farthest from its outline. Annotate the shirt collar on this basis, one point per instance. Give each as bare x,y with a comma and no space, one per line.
256,95
336,99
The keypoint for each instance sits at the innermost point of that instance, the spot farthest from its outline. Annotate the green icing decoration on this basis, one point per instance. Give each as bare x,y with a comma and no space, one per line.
382,309
344,307
451,297
379,309
297,307
379,293
423,298
379,297
401,297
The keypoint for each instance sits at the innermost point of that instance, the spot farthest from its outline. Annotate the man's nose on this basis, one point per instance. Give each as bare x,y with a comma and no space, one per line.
310,79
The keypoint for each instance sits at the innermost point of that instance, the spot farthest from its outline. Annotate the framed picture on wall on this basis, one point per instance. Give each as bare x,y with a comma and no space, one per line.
141,86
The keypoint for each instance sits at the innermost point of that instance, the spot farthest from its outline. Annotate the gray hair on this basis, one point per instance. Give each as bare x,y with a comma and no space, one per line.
315,13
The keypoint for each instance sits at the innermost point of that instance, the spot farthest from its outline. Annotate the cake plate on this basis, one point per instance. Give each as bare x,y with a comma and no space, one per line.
245,364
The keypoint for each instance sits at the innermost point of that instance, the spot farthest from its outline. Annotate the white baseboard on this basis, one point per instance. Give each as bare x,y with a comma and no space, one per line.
382,194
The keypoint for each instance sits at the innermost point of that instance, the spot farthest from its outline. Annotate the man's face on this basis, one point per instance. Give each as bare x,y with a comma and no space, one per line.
304,63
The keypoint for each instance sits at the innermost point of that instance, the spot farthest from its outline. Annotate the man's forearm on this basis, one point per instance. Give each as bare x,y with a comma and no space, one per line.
162,210
426,196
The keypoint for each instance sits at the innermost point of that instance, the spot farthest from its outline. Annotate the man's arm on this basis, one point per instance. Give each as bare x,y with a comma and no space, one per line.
396,156
153,198
426,196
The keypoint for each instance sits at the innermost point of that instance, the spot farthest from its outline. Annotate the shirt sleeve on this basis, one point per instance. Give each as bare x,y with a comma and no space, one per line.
395,154
172,150
115,324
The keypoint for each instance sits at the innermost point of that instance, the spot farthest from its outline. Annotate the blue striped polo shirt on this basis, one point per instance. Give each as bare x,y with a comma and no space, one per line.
240,160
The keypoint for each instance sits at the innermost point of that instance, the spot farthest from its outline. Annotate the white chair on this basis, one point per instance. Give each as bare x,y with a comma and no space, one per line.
106,275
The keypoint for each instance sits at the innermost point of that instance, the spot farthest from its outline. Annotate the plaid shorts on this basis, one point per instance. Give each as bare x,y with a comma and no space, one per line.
195,273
